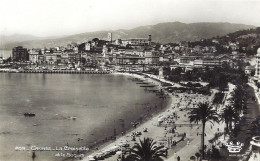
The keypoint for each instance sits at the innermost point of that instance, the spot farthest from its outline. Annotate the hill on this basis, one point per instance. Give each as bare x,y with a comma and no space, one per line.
162,32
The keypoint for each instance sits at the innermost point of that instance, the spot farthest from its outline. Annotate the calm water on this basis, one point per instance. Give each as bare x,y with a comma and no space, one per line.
98,102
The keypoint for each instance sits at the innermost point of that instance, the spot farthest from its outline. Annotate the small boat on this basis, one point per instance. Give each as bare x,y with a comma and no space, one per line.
29,114
73,117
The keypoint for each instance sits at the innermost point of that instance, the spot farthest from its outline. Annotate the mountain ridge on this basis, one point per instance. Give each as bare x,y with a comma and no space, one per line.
162,32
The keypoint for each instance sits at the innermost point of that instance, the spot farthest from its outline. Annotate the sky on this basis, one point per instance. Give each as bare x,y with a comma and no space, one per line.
67,17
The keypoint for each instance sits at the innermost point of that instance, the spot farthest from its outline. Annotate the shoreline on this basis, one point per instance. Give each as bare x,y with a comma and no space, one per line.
182,124
145,119
159,132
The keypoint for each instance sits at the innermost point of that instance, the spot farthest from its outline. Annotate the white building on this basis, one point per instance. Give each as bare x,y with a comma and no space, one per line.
33,56
87,46
160,73
109,37
257,65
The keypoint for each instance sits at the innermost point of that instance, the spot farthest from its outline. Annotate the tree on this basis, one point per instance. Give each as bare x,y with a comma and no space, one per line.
147,150
222,82
95,39
204,112
229,115
255,127
239,98
9,59
83,60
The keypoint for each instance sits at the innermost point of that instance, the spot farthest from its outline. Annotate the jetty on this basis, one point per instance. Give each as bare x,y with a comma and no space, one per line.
148,86
142,83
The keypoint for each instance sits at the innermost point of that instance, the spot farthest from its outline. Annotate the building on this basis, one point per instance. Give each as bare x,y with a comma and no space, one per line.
41,59
72,58
249,70
20,54
160,73
211,62
257,66
129,59
88,46
189,58
64,58
138,41
50,58
109,37
33,56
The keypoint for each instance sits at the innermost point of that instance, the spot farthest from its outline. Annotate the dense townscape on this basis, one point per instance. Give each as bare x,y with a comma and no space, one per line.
234,50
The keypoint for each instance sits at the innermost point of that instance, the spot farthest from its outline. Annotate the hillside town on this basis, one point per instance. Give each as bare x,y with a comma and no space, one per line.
133,54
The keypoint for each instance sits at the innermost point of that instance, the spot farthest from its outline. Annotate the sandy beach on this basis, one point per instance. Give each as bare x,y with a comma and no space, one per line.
169,126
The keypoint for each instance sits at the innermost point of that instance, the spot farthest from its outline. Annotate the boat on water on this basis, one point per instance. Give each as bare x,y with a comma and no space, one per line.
73,118
29,114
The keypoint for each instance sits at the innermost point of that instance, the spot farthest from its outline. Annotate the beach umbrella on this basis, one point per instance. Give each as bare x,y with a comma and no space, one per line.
114,148
99,155
119,152
91,158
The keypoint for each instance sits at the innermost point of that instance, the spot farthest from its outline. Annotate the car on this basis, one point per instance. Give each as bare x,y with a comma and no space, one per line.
54,68
37,68
44,68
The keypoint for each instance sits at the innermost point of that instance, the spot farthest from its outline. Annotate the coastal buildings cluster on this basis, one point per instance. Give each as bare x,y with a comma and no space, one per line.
133,51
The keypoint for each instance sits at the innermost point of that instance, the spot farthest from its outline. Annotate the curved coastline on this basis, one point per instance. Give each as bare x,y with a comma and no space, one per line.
88,136
147,121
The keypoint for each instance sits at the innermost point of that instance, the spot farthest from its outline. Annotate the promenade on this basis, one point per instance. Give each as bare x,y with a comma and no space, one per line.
53,71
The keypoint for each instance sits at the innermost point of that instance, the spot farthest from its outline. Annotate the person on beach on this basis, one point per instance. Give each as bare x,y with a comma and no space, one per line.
178,158
33,155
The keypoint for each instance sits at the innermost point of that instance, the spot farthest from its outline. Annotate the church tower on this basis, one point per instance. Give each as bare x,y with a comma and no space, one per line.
109,37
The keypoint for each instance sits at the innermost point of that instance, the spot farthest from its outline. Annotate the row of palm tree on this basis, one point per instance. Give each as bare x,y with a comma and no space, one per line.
238,99
230,114
148,150
254,129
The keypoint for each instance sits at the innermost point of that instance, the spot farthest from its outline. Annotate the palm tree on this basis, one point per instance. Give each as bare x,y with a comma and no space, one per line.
204,112
254,130
239,98
229,115
147,150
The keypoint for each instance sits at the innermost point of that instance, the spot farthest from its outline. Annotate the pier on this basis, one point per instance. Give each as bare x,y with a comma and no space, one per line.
149,86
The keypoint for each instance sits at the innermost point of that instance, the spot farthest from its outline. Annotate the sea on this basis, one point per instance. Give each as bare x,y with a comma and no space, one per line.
71,110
